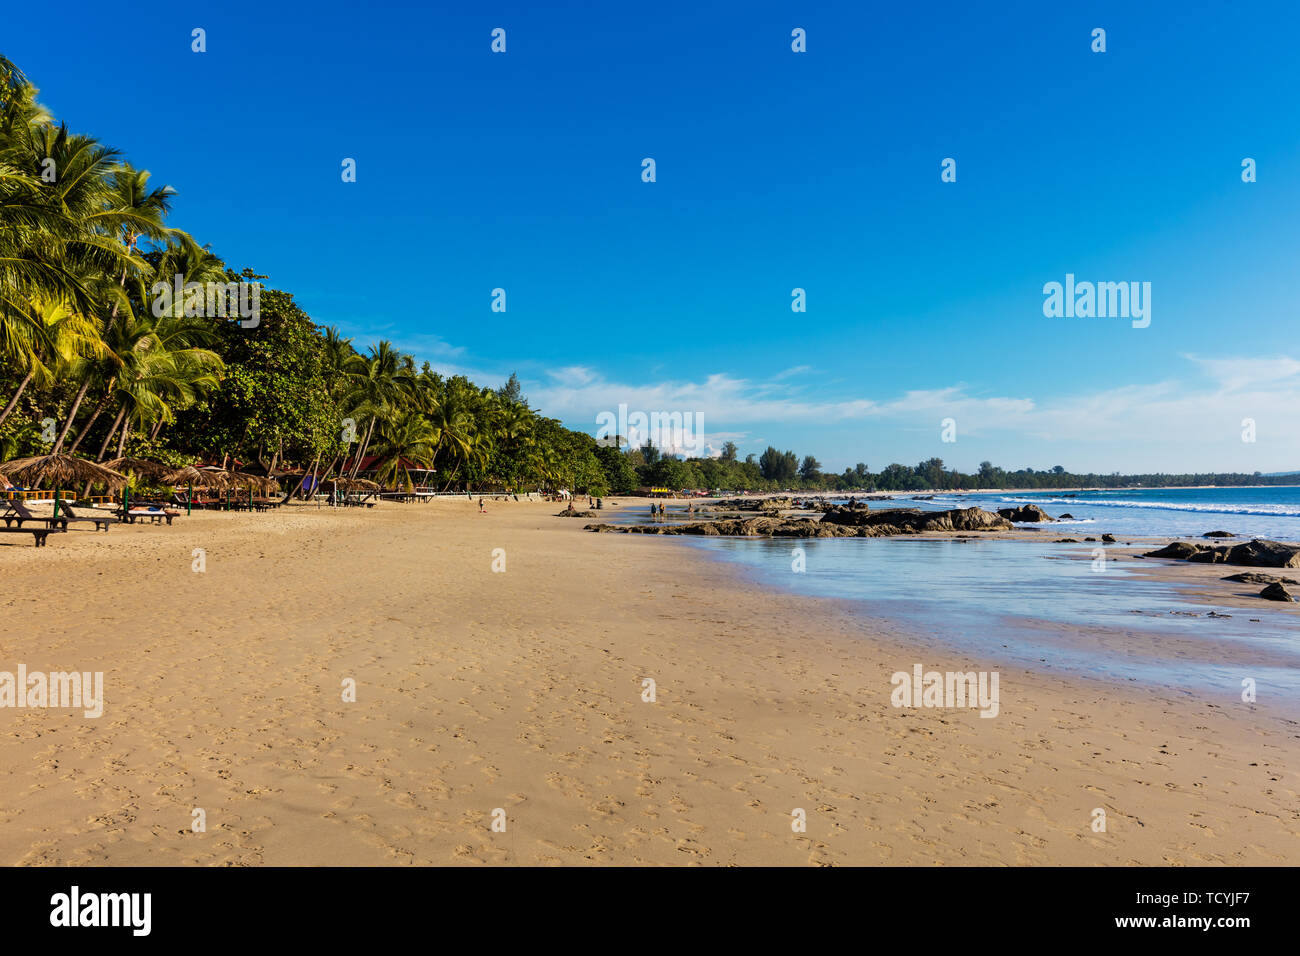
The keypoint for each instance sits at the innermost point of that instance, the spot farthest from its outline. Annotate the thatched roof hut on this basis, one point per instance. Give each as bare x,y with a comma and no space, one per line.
213,480
61,471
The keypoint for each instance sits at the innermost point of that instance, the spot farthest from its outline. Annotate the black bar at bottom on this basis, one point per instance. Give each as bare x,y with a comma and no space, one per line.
947,906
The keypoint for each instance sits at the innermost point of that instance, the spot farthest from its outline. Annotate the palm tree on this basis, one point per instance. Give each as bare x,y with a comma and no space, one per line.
40,232
453,425
379,390
404,441
153,368
67,340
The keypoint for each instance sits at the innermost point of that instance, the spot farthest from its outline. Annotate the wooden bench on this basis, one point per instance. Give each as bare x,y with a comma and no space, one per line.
17,512
38,534
101,522
156,517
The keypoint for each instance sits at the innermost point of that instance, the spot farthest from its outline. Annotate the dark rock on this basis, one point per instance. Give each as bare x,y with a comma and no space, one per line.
569,513
838,523
914,521
1259,553
1066,517
1025,513
754,504
1182,550
1066,541
1218,534
1108,539
1255,577
1276,592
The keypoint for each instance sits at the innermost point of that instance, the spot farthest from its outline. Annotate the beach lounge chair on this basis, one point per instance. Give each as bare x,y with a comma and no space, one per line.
38,534
155,514
101,522
17,513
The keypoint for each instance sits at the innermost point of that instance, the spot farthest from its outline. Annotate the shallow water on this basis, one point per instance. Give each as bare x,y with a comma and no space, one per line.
1004,600
1010,599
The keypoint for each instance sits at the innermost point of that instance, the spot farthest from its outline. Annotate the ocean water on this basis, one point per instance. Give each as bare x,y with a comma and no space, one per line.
1268,512
1006,600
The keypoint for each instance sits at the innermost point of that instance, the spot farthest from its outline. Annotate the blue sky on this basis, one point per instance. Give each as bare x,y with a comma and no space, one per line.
775,170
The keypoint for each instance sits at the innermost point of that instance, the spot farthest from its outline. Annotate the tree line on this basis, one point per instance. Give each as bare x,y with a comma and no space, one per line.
776,470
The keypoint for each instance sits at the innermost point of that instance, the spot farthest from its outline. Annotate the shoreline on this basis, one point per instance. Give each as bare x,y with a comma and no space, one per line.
522,691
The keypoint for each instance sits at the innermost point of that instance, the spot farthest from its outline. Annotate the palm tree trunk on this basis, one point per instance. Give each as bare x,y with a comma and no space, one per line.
112,430
17,395
67,425
303,481
104,447
356,465
157,427
85,430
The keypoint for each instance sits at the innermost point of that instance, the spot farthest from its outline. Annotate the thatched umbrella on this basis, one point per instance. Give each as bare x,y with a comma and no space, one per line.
240,479
60,470
189,475
153,470
351,484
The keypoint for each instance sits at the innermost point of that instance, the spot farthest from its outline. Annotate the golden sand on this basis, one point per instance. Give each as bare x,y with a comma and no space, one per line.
523,691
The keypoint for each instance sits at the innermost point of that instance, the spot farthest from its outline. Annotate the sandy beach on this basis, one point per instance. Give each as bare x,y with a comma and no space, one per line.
522,691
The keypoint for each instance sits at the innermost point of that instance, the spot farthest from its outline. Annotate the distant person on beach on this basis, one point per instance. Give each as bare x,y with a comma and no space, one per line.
480,505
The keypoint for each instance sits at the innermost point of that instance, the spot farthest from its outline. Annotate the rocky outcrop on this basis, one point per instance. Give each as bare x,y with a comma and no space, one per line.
1218,534
1107,539
841,522
1276,592
1257,553
1255,577
759,526
753,504
570,513
1178,550
915,521
1025,513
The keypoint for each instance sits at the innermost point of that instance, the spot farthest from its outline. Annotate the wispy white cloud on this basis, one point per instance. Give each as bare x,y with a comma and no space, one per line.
1188,422
1236,373
1181,419
790,372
